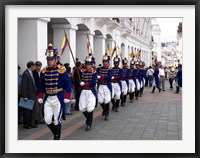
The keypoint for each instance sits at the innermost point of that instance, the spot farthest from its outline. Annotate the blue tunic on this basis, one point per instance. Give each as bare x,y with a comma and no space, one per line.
117,74
126,73
90,79
106,76
179,78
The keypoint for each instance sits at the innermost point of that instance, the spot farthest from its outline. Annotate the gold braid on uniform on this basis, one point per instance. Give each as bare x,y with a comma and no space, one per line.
61,69
44,70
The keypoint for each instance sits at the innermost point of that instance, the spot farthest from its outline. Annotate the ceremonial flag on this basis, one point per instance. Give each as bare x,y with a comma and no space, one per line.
138,54
132,55
64,44
88,45
108,50
113,50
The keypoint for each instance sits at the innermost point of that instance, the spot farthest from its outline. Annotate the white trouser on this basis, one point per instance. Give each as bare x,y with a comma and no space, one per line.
124,88
131,86
138,84
104,95
116,91
52,108
87,101
144,81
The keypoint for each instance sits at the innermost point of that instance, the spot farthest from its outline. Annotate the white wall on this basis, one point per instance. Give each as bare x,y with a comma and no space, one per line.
32,41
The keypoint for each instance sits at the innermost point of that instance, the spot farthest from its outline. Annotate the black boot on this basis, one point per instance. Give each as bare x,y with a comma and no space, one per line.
117,105
177,89
137,94
122,100
52,128
159,88
57,132
86,116
125,99
107,112
103,108
113,104
153,89
89,121
141,90
131,96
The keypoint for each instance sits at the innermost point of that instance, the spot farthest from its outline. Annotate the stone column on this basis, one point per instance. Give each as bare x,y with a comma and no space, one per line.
32,40
99,48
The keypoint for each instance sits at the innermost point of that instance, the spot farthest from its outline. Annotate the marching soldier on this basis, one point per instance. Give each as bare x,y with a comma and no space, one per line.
104,86
156,82
125,81
88,95
136,74
54,81
132,81
116,84
142,75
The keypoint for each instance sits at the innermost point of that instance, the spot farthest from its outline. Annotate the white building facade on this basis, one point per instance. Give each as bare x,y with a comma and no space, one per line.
128,34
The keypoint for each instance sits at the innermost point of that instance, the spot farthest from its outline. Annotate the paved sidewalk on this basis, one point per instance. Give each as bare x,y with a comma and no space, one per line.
155,116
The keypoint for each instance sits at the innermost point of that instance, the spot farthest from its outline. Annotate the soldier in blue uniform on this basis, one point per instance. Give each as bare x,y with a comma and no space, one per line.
156,82
88,95
179,78
125,81
142,75
137,79
54,82
104,86
116,84
132,81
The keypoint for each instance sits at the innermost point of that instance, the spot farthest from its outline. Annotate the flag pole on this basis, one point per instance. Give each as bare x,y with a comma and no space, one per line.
79,77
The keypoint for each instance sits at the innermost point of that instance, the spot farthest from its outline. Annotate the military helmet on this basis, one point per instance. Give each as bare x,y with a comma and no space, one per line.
116,59
50,52
124,61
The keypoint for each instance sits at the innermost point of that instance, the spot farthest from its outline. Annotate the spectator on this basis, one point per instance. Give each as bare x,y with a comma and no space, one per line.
161,76
36,75
58,61
171,75
29,91
20,109
150,72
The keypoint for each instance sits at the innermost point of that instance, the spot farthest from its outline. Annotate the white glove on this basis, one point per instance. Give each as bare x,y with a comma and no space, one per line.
66,101
40,101
82,83
112,77
73,101
98,77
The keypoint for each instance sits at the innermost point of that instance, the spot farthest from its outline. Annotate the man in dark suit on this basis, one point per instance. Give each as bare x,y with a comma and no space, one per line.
29,91
36,75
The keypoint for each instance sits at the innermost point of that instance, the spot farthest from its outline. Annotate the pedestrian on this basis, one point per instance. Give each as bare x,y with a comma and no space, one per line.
161,76
116,84
29,92
171,75
55,84
150,72
77,86
104,86
156,81
88,94
39,107
132,84
125,81
20,109
179,78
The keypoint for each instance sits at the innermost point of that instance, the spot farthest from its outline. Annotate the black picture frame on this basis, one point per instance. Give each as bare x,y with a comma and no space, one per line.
3,4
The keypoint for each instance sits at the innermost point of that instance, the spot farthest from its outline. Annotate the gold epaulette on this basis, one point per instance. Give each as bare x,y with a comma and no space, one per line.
44,70
61,69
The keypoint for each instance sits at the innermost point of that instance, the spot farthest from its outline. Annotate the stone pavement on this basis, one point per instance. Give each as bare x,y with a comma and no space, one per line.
155,116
